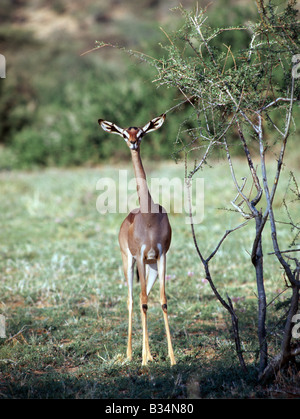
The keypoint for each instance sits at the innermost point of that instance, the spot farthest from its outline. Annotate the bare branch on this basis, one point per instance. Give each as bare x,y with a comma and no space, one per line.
270,196
285,251
274,102
224,237
242,195
238,206
228,306
284,141
252,169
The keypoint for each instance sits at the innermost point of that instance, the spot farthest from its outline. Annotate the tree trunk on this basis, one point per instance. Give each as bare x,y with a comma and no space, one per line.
257,261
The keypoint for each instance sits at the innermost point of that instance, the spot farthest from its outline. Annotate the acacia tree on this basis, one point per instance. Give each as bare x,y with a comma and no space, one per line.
238,94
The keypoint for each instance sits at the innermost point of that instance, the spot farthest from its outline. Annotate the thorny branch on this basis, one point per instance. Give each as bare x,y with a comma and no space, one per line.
257,255
238,99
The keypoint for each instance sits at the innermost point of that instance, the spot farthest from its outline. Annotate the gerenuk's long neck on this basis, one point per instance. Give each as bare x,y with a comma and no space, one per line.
146,202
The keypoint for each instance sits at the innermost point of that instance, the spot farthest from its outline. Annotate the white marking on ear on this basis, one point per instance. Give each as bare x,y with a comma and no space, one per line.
154,124
110,127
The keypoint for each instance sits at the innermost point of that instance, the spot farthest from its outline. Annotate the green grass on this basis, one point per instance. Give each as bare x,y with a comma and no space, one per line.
64,297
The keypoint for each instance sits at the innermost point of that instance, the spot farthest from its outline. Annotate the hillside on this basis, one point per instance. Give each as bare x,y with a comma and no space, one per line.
52,20
53,95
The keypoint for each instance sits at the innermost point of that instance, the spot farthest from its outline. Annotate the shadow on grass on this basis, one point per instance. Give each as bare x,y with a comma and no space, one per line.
183,381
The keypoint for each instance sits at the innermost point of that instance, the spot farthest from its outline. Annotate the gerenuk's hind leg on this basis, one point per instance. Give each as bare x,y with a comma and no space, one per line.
144,307
161,264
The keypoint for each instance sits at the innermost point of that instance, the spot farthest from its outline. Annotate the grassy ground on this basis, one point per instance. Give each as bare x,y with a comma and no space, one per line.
63,295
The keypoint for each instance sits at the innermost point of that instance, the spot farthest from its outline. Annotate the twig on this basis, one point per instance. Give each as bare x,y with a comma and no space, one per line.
285,251
17,334
224,237
238,207
243,196
274,102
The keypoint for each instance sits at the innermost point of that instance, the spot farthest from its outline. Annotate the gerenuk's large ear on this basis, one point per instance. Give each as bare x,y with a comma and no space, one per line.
154,124
110,127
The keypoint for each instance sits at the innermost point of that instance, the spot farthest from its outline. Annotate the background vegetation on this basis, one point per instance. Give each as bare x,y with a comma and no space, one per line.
63,293
53,96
